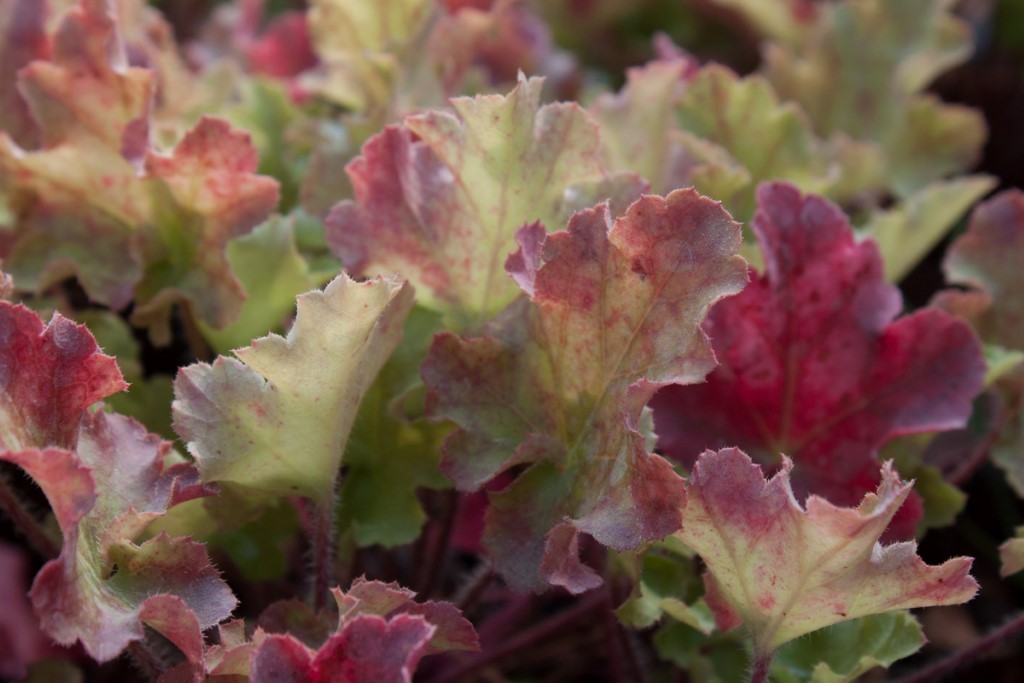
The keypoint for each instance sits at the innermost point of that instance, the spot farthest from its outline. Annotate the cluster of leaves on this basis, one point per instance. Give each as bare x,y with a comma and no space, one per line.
415,335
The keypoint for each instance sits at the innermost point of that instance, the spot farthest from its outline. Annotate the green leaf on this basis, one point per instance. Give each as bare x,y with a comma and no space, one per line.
273,274
390,457
844,651
907,232
1011,554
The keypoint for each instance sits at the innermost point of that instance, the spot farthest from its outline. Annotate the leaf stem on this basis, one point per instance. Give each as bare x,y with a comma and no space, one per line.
761,666
197,343
529,638
322,544
966,655
437,548
25,522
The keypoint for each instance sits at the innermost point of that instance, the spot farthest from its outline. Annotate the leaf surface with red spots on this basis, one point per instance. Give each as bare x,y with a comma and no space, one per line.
814,363
558,384
786,570
439,199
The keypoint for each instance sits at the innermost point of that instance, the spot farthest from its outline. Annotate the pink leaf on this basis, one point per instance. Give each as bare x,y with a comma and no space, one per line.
813,363
23,40
103,587
381,636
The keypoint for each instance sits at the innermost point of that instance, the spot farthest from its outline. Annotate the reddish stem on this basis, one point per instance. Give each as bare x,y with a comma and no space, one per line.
761,666
438,548
968,654
322,542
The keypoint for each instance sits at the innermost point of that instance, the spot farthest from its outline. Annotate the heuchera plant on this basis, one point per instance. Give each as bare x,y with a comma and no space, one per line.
386,343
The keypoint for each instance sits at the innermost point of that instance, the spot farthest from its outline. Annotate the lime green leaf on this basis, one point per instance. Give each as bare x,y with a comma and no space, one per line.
273,274
276,420
906,233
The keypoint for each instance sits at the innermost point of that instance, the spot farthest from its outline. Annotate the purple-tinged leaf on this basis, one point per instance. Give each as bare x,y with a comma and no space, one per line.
381,636
614,313
103,587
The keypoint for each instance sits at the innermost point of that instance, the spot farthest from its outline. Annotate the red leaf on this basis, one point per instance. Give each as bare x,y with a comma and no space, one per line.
813,363
49,375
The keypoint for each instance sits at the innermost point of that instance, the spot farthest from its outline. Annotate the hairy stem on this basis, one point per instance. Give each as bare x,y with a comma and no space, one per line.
761,666
25,522
528,639
968,654
322,544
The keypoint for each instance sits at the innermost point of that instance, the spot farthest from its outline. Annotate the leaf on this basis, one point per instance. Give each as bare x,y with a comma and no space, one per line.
558,385
195,221
814,365
440,198
1011,555
89,143
103,587
275,421
360,47
23,40
364,597
874,95
849,649
381,636
370,648
906,233
988,261
637,123
668,583
389,457
738,126
273,273
788,571
97,201
49,376
783,20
